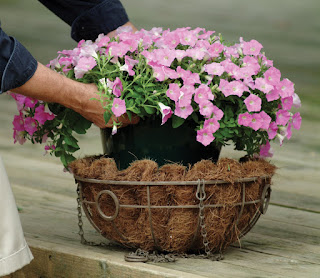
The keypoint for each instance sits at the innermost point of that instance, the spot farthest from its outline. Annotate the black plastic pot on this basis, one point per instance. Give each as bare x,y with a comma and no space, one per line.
163,144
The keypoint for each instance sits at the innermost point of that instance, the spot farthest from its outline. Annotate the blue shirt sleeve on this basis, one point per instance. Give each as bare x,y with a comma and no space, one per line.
17,65
89,18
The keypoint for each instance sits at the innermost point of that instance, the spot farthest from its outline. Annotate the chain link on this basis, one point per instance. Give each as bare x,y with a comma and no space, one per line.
80,225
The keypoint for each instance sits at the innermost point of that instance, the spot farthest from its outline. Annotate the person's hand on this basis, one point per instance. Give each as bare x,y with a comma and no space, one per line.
93,111
128,24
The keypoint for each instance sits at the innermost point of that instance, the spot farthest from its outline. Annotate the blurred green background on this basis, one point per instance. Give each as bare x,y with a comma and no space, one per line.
288,29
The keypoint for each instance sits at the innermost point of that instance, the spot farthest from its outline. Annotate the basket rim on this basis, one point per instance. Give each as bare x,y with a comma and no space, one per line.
154,183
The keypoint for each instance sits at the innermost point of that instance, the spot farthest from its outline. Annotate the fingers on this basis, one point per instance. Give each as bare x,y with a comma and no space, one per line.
122,120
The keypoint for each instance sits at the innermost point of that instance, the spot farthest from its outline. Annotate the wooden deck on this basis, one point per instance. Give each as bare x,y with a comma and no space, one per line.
284,243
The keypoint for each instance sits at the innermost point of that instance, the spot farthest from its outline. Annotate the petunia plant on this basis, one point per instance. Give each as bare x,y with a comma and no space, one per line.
231,91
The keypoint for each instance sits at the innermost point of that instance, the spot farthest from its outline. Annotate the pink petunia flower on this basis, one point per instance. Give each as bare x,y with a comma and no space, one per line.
251,64
235,88
283,116
252,47
217,113
158,73
164,57
184,111
244,119
30,102
266,150
18,122
84,65
30,125
272,130
170,73
114,130
215,49
203,94
262,85
272,76
253,103
117,87
171,40
118,107
102,40
19,136
132,43
296,120
173,92
49,148
195,54
296,101
214,69
286,88
185,97
187,38
166,112
231,68
20,100
118,49
188,77
287,103
273,95
204,136
223,85
180,54
289,131
206,109
256,121
129,64
265,120
212,125
41,116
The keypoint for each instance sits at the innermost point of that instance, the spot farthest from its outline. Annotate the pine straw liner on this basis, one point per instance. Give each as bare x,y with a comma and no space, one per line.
228,183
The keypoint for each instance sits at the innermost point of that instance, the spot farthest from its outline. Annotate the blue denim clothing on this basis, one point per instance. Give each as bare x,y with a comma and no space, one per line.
87,18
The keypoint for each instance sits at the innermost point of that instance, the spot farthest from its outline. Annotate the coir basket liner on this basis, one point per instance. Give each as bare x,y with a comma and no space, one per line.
173,208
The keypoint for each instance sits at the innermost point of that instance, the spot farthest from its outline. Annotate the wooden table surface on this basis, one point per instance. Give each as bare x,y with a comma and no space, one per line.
284,243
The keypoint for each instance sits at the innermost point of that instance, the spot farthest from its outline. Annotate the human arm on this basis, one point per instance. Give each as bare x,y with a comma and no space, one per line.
89,18
17,66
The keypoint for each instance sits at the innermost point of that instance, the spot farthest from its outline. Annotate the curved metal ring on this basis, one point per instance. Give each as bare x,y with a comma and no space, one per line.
116,202
135,258
265,198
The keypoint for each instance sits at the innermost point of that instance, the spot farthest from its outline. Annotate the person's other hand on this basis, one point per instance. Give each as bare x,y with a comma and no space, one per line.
128,24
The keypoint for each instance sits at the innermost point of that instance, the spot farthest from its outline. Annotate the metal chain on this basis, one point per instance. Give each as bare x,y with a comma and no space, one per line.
80,225
144,256
201,196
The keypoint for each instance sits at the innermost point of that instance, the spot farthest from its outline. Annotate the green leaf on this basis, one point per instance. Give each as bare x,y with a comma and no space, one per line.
66,159
177,121
129,115
81,125
149,110
195,117
106,116
138,89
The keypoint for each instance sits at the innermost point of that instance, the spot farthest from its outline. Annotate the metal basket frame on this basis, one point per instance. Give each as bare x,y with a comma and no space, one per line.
200,194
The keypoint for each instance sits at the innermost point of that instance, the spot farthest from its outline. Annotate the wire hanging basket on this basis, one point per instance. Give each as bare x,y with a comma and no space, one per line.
174,216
